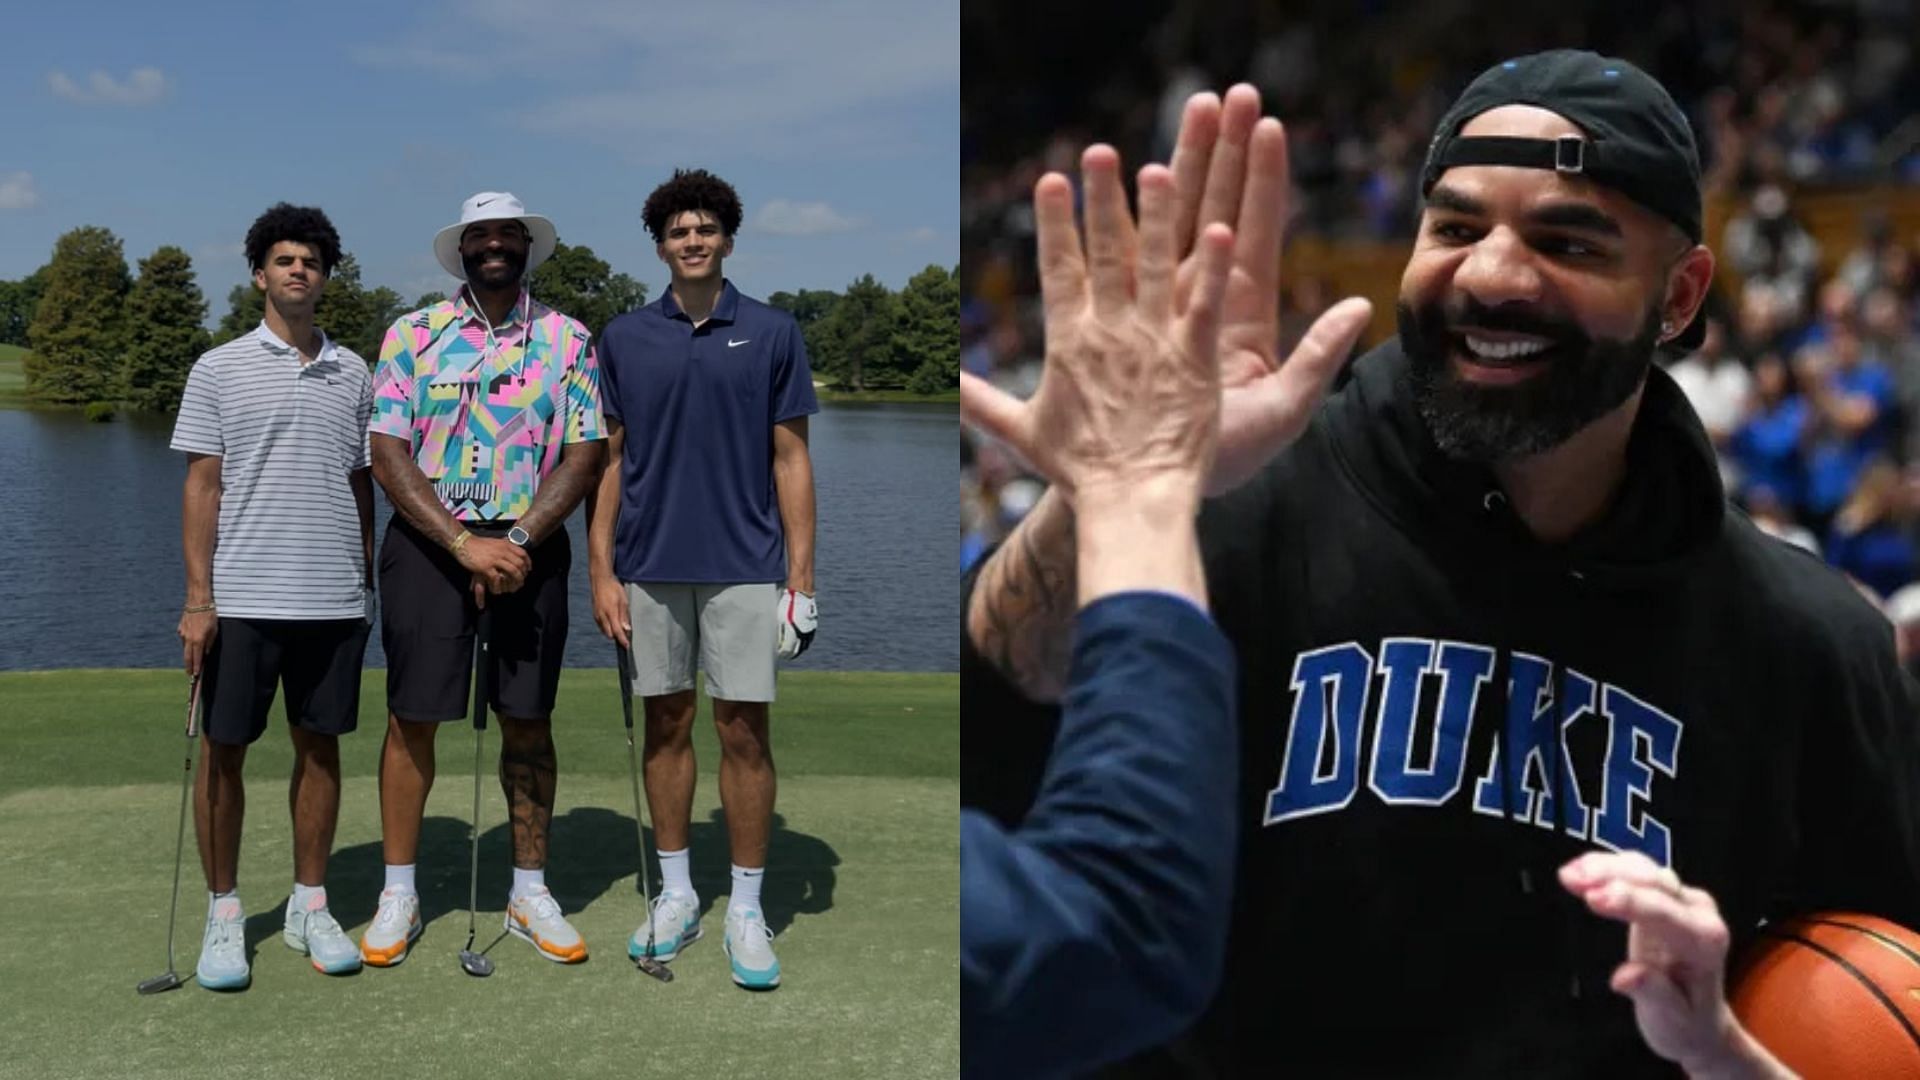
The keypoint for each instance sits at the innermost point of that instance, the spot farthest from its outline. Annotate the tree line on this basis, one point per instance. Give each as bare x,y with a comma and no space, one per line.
101,337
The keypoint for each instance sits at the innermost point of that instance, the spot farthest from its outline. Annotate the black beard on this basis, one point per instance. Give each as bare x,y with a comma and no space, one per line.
1584,380
516,265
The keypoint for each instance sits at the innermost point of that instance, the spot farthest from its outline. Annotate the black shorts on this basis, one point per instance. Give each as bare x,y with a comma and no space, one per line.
318,661
427,622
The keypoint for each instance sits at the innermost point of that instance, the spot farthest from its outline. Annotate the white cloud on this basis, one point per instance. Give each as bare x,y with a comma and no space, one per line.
143,86
784,218
621,71
924,234
17,191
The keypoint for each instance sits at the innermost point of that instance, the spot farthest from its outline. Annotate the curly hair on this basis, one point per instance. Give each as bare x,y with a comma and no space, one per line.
691,189
300,224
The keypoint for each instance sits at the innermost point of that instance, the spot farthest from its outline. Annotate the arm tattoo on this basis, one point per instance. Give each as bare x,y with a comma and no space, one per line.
564,487
1024,602
409,490
527,776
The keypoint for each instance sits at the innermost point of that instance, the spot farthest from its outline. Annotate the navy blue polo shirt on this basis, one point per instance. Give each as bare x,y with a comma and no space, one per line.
697,500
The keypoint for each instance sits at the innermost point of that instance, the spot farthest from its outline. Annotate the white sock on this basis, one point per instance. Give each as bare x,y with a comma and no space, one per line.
746,888
309,897
400,877
525,881
674,875
215,899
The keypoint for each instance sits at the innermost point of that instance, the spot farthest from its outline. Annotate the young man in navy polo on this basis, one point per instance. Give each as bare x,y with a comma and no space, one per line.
701,545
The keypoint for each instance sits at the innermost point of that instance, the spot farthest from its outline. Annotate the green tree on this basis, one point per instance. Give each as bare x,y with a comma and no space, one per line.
246,306
428,300
355,316
927,337
579,283
17,301
165,313
854,340
78,328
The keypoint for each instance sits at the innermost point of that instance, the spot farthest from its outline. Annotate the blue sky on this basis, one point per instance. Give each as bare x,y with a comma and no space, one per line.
178,123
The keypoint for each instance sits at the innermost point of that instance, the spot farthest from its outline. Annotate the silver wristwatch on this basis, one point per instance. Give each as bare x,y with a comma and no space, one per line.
518,537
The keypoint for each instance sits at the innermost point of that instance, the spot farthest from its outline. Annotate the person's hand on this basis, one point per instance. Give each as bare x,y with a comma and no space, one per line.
1230,168
500,565
1675,971
610,611
1129,399
799,620
197,630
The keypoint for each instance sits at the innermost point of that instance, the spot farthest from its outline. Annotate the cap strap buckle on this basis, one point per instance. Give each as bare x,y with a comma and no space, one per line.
1569,154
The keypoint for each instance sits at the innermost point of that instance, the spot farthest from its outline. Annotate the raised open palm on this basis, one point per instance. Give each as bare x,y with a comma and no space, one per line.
1230,167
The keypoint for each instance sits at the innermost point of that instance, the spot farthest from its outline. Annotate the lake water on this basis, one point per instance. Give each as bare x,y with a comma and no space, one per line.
92,573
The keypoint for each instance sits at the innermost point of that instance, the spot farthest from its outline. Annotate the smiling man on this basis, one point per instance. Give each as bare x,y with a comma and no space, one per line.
701,546
486,434
1493,613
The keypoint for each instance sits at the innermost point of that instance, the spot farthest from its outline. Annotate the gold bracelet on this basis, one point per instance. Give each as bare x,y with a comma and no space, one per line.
460,541
195,609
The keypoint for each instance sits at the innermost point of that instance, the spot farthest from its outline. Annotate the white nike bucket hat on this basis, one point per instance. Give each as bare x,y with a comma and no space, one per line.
494,206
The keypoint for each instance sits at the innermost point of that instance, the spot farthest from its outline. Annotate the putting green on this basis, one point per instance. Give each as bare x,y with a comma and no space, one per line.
861,887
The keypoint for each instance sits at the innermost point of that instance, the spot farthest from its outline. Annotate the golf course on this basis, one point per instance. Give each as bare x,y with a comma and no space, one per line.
861,888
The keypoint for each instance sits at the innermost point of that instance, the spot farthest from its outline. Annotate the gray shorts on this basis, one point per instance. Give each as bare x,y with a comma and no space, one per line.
731,630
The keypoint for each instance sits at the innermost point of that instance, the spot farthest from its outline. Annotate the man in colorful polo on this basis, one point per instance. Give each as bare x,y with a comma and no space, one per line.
486,432
701,546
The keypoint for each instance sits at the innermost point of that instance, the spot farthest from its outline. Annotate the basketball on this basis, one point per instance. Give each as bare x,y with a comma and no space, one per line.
1834,995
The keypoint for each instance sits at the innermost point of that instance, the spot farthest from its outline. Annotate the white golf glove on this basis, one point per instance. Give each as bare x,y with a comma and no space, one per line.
799,618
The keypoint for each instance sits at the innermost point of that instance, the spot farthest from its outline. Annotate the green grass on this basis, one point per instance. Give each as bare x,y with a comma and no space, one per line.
862,888
13,377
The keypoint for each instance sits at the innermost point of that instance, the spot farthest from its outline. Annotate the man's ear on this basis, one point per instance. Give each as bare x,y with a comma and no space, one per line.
1688,282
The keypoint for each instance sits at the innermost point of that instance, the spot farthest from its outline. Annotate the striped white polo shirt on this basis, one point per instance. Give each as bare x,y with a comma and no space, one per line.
288,545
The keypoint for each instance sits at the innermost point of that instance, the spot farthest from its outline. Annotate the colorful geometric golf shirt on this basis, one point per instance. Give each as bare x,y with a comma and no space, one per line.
487,418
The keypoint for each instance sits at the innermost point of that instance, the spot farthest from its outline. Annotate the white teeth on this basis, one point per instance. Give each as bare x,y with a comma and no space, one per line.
1503,350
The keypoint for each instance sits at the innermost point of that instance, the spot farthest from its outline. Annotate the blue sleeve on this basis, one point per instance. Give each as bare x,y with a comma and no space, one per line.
609,380
1097,928
793,395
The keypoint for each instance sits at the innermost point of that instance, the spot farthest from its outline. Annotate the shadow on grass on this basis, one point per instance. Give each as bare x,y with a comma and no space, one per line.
591,850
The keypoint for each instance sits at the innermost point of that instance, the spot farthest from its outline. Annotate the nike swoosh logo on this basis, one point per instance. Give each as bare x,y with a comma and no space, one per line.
732,343
484,202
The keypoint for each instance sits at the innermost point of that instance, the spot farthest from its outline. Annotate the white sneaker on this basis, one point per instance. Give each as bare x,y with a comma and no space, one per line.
316,933
223,951
749,945
676,924
395,926
535,917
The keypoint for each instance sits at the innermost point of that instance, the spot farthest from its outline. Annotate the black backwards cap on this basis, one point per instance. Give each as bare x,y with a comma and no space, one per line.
1637,141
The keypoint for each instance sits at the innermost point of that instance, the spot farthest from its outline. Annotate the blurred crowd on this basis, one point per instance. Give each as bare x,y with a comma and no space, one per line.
1809,380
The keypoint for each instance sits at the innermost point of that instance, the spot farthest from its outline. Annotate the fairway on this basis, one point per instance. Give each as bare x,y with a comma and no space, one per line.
861,888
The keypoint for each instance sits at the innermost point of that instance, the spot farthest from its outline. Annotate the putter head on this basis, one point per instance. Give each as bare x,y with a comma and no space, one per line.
160,984
476,964
654,968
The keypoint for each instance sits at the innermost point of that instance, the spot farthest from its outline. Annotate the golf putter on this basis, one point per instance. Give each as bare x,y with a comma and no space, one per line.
645,962
478,963
171,980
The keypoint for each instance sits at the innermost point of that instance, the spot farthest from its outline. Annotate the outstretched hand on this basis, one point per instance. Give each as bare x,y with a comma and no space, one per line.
1230,168
1130,395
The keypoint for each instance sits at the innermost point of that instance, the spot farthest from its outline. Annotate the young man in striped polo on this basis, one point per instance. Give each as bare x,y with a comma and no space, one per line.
277,526
485,435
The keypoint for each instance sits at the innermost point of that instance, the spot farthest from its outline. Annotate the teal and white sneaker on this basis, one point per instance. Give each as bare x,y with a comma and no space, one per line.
316,933
223,951
749,945
676,925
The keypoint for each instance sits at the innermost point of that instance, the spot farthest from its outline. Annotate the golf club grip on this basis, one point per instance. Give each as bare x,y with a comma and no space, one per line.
193,708
482,668
626,684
